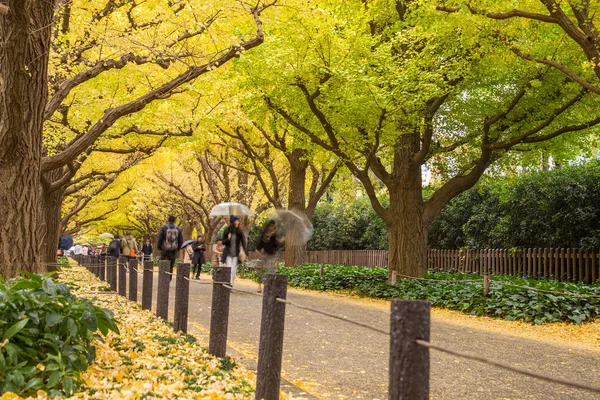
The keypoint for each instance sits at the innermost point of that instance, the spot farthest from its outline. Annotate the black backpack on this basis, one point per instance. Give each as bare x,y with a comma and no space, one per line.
171,242
114,247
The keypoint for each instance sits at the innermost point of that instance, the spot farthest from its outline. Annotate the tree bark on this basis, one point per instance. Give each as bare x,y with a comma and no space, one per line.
26,32
187,227
295,241
51,210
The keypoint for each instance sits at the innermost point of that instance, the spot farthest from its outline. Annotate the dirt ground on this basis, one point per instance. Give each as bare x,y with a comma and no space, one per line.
334,359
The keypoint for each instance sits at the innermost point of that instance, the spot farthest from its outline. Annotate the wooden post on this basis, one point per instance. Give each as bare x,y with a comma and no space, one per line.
409,362
148,281
162,295
182,293
394,279
568,257
321,271
580,265
133,279
486,285
594,270
122,276
111,272
219,313
270,349
102,269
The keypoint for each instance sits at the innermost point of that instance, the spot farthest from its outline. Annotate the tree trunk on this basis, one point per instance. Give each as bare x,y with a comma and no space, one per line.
295,238
187,227
407,243
25,32
51,210
407,228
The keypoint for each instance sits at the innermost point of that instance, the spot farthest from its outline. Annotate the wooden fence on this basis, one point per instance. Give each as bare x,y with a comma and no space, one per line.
570,265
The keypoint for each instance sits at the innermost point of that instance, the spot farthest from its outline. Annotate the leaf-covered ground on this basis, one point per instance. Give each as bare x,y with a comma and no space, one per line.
148,360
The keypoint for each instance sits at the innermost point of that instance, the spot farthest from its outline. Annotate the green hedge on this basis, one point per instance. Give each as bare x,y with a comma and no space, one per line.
558,208
46,336
504,302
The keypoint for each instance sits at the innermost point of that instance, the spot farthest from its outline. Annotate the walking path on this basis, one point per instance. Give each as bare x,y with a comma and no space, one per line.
333,359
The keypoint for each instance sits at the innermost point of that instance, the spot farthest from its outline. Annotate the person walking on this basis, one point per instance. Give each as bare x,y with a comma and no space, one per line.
198,259
234,240
268,244
217,252
170,239
147,251
114,248
130,246
66,242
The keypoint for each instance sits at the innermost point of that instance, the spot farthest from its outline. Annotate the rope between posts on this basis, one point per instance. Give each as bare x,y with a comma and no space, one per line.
238,290
509,367
198,281
333,316
440,280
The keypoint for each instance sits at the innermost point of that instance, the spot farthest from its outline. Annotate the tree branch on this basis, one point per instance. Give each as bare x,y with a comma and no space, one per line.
501,16
111,115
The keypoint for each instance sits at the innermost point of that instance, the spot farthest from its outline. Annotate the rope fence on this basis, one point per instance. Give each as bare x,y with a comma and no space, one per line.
509,367
409,333
341,318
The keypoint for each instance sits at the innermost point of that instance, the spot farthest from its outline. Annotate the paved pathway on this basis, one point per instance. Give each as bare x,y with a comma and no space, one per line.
333,359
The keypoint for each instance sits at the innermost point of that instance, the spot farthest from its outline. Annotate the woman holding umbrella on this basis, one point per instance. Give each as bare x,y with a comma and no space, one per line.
233,239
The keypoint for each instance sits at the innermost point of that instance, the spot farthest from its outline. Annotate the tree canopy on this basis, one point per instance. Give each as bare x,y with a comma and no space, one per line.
157,107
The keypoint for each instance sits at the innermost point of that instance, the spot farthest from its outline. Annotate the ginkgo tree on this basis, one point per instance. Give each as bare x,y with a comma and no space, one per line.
94,66
264,148
389,87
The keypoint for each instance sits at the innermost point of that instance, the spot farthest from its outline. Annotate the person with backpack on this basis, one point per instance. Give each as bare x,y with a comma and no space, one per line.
130,246
234,240
170,239
114,248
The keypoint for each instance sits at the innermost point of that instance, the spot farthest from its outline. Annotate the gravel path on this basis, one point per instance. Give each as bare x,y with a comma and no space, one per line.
333,359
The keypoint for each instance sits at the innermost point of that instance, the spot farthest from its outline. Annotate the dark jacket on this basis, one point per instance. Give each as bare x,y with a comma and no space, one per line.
147,249
114,248
163,232
269,246
66,242
198,255
241,241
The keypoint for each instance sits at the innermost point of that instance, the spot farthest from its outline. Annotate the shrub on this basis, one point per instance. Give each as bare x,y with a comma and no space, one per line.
46,335
447,290
558,208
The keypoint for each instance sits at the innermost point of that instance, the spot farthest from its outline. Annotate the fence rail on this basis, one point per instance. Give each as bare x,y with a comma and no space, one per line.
568,265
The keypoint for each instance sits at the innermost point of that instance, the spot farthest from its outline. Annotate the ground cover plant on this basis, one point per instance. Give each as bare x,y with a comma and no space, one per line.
48,335
448,290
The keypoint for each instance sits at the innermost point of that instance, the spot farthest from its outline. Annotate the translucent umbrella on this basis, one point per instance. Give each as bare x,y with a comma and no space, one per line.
107,235
293,224
226,209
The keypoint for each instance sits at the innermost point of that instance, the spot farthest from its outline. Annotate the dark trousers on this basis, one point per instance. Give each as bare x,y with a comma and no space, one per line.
197,268
171,256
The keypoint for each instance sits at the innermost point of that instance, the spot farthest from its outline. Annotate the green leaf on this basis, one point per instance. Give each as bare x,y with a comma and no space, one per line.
16,328
55,377
53,319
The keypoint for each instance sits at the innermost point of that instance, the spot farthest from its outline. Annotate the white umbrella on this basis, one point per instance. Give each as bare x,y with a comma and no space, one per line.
295,224
107,235
225,209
